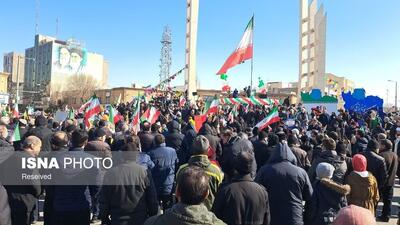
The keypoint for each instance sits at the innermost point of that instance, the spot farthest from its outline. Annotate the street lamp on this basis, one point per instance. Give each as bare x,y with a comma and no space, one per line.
395,96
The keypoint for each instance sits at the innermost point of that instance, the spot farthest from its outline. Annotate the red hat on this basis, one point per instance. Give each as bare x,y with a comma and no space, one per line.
359,163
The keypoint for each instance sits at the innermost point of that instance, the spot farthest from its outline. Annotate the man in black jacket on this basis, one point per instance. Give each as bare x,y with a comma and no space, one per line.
329,155
42,132
386,193
375,163
262,149
174,138
146,137
243,196
22,198
287,185
128,194
215,144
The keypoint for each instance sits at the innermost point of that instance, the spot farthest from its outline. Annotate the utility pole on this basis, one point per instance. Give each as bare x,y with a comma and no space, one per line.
17,95
395,94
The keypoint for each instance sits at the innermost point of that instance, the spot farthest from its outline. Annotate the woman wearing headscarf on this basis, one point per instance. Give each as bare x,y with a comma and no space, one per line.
364,187
327,199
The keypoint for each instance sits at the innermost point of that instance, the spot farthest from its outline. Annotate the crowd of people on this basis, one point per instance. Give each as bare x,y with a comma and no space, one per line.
311,168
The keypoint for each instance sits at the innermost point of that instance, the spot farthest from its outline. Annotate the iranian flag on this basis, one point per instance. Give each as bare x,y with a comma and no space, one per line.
114,116
182,101
271,118
16,111
92,110
16,136
150,115
244,50
84,106
212,107
135,125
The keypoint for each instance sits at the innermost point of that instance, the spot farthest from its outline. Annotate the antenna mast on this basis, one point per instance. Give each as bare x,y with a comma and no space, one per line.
165,59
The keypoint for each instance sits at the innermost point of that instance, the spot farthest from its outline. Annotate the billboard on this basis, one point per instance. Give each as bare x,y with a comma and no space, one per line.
71,59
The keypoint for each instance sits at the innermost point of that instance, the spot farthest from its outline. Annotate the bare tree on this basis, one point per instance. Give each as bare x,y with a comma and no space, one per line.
80,86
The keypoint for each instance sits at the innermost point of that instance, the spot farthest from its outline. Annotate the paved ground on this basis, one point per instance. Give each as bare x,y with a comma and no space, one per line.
393,220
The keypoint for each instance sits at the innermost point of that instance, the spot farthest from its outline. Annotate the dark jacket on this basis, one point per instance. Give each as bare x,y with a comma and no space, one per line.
376,165
229,155
73,194
5,212
187,143
242,201
174,138
98,149
287,186
391,166
165,161
146,141
214,141
22,193
335,160
262,153
327,199
214,173
128,195
360,146
44,134
181,214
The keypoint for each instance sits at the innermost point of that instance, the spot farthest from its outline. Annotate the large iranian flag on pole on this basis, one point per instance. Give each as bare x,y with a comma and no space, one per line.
244,50
271,118
93,108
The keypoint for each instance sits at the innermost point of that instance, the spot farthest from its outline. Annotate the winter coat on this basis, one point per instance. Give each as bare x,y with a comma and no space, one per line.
214,141
391,162
360,146
301,157
98,149
174,138
214,173
287,185
247,201
22,197
144,160
335,160
5,212
364,191
376,165
229,155
327,199
44,134
75,197
181,214
128,194
165,161
186,149
262,153
146,141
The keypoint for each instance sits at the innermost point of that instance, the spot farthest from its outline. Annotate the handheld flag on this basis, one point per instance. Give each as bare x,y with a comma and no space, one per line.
271,118
136,118
16,136
150,115
92,109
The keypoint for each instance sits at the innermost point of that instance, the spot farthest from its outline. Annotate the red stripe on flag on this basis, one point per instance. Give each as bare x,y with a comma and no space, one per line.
238,56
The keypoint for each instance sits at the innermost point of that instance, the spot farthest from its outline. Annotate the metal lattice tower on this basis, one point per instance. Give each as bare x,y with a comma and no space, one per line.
165,59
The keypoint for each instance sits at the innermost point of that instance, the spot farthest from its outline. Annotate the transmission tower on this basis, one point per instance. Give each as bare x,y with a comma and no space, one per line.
165,59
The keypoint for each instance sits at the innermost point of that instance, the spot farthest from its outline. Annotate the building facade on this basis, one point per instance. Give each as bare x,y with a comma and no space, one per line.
51,63
14,64
312,46
4,96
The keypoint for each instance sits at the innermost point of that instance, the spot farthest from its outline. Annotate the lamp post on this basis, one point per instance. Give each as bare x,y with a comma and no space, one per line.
395,94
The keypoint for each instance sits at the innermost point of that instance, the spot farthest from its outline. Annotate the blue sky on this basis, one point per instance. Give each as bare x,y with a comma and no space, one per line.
362,37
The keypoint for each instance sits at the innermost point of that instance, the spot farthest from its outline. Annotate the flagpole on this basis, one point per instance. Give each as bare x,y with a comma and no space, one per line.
252,57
